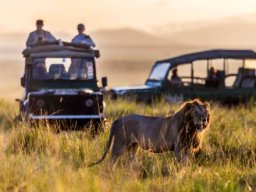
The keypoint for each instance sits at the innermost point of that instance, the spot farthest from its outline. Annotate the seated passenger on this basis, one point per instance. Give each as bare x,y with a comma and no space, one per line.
212,80
175,79
39,71
82,37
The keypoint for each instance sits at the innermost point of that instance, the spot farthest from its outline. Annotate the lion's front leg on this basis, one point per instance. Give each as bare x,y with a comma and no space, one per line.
183,154
177,151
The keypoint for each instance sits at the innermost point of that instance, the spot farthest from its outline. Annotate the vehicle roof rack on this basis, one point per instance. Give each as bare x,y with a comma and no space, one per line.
60,46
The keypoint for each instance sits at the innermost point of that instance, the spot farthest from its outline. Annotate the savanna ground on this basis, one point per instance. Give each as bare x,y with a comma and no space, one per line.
41,160
38,159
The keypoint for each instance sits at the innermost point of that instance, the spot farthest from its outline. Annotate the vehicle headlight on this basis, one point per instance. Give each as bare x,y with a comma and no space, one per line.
89,103
40,103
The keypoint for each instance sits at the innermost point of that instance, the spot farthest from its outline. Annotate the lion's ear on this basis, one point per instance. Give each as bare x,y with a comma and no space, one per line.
206,105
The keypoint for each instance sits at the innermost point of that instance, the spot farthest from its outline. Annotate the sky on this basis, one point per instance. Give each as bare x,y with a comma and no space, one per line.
63,15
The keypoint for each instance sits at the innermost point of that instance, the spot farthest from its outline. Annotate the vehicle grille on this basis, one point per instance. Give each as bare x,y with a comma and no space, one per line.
65,104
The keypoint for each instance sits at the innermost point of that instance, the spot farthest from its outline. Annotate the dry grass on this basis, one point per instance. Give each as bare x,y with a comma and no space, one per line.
37,159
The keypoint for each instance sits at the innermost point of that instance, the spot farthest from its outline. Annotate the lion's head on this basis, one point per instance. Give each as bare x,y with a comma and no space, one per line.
197,115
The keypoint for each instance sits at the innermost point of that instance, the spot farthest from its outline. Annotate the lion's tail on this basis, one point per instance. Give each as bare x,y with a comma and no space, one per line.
108,145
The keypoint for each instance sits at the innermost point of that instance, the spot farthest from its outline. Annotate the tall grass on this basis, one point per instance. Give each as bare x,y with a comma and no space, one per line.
38,159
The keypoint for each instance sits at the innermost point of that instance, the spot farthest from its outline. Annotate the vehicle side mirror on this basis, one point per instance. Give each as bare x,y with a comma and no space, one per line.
104,81
22,81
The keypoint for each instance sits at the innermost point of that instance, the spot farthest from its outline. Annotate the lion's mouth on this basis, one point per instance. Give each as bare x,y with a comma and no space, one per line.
199,127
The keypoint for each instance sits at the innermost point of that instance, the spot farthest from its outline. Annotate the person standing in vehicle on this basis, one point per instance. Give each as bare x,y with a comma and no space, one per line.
39,35
82,37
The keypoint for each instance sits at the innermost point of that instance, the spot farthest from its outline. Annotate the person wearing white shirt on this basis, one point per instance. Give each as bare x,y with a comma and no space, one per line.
82,37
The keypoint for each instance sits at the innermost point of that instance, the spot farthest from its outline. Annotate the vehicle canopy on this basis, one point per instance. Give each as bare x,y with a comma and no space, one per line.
161,68
211,54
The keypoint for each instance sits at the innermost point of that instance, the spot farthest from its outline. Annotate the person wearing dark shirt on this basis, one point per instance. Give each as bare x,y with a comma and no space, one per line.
39,35
175,79
212,80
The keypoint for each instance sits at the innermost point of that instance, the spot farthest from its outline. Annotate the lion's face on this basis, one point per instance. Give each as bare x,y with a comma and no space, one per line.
198,115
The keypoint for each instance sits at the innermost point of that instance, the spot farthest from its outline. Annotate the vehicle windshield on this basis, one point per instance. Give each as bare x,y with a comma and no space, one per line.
159,72
63,68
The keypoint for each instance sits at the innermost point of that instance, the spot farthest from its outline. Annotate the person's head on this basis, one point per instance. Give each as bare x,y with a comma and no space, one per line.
212,70
39,24
80,28
175,71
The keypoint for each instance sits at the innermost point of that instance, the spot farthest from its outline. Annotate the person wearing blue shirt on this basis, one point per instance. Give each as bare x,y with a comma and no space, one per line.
82,37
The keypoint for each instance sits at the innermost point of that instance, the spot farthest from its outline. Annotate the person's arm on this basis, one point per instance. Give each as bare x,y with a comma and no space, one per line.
86,40
50,37
90,42
31,40
74,40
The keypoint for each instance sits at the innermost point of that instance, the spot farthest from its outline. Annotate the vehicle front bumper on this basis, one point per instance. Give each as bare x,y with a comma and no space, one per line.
66,117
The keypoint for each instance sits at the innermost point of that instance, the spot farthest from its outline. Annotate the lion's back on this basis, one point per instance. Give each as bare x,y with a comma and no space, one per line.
140,125
139,119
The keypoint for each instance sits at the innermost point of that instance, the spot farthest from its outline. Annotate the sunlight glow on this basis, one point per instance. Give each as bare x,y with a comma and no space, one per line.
63,15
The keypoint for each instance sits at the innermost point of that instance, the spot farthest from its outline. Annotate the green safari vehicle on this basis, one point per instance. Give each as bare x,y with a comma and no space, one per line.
60,85
234,78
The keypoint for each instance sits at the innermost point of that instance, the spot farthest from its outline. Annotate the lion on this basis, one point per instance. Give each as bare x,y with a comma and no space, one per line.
181,132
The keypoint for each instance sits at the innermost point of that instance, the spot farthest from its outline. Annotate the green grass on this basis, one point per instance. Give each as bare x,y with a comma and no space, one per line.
38,159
